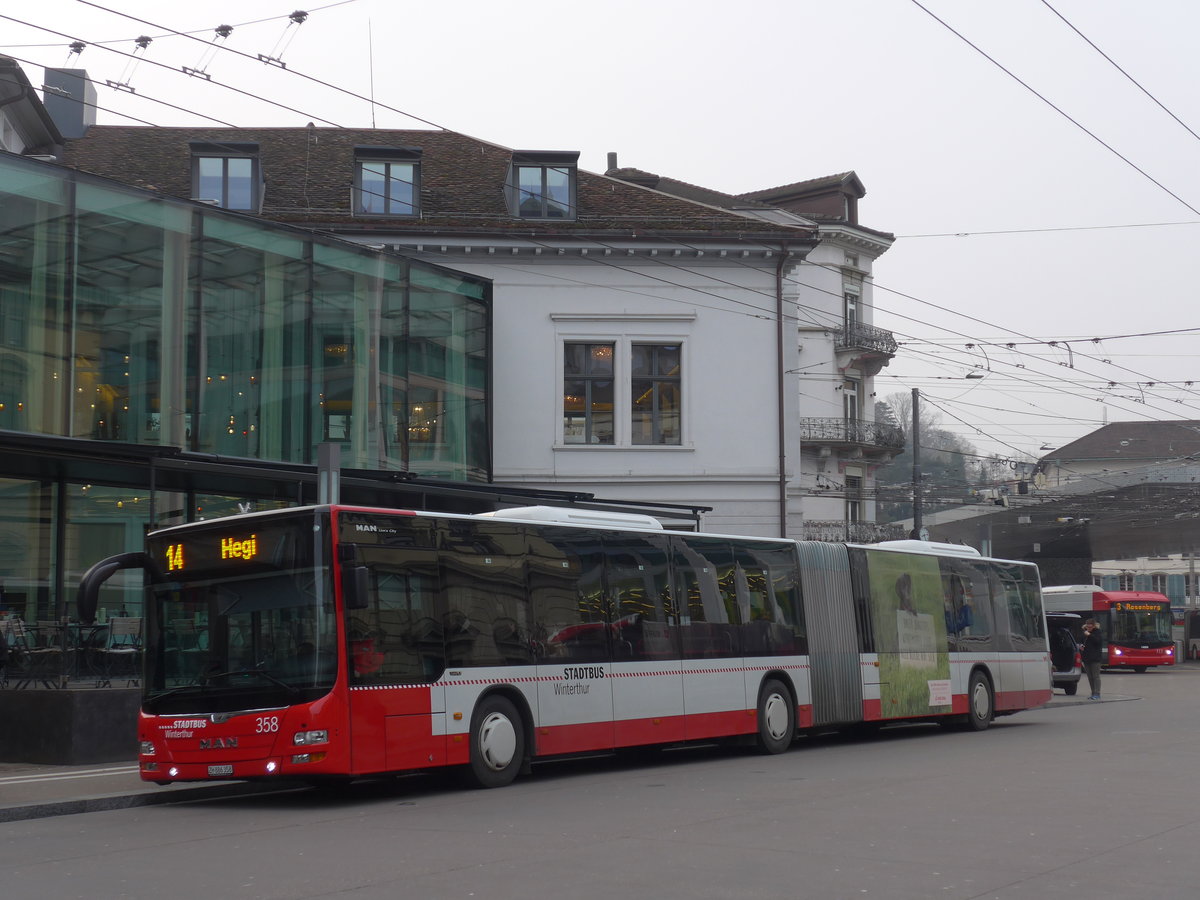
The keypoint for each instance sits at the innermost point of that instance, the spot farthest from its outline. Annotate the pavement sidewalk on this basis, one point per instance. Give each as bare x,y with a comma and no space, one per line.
29,791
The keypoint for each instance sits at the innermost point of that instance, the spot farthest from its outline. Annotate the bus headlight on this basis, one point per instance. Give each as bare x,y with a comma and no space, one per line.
1116,651
1170,651
146,748
304,738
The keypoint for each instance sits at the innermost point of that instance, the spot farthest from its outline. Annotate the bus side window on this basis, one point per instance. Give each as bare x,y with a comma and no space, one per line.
638,582
767,601
483,579
571,614
396,638
704,584
1017,595
968,596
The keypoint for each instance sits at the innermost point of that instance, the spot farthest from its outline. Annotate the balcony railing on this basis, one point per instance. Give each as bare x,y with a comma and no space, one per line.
853,532
852,431
857,336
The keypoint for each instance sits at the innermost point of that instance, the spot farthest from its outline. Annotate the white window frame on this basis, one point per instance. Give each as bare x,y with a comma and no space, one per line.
623,332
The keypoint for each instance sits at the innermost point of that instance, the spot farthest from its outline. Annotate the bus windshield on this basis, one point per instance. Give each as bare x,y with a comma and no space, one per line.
240,617
1141,623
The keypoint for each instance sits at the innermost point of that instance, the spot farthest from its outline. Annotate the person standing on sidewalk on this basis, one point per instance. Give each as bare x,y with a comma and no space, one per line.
1093,655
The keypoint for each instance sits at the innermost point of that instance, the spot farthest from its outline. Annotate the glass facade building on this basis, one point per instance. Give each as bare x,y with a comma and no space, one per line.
139,331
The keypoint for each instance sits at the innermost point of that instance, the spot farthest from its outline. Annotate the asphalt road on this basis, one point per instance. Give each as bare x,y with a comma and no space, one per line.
1077,800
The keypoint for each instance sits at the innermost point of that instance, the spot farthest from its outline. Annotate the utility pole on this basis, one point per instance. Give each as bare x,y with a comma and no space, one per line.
916,473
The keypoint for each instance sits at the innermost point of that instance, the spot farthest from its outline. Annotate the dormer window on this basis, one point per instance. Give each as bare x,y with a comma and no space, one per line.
387,181
227,175
542,184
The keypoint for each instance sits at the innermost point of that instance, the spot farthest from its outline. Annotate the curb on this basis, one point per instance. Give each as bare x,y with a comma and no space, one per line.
105,802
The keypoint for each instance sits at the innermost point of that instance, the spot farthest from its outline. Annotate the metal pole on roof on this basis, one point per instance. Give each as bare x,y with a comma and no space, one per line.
329,472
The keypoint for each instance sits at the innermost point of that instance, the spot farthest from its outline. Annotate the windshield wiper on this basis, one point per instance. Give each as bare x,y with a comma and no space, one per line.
257,670
204,680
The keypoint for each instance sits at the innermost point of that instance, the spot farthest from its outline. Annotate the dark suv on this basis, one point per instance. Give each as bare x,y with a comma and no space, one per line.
1066,665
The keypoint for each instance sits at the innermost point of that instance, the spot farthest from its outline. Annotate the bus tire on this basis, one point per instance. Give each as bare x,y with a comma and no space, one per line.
776,717
980,705
497,743
1141,670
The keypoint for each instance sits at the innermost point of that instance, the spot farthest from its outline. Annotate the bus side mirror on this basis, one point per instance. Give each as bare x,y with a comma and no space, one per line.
356,587
89,586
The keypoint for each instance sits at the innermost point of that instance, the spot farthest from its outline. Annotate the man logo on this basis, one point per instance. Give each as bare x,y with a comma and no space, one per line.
218,743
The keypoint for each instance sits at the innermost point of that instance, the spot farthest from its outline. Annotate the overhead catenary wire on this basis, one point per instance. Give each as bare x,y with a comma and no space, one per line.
1130,163
168,68
724,299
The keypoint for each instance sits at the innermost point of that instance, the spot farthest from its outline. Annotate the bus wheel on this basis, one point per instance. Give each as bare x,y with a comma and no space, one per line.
776,718
1141,670
497,743
979,700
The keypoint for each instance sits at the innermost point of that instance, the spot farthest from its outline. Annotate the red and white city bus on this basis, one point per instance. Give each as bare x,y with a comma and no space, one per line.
1136,625
335,642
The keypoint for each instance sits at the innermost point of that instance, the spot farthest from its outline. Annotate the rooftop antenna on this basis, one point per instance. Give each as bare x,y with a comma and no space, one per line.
371,63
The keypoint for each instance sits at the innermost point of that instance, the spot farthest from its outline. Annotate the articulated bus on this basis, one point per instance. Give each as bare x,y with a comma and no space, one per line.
333,642
1136,625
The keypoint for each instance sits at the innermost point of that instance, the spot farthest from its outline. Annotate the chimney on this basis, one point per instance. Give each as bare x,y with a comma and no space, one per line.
612,162
70,99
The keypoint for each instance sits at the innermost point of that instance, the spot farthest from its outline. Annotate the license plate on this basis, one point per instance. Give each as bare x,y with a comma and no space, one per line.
220,770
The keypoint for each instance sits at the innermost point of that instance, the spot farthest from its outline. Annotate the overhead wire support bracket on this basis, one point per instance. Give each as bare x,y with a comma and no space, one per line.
271,61
196,73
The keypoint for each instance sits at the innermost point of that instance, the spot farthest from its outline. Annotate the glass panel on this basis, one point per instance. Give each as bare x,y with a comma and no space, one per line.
487,607
575,413
211,179
574,359
248,358
600,359
373,187
240,182
566,581
529,191
600,412
100,522
656,397
440,380
26,550
765,583
646,625
400,189
967,606
131,264
34,326
706,592
558,194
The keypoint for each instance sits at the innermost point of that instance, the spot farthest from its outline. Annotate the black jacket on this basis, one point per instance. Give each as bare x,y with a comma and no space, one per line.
1092,650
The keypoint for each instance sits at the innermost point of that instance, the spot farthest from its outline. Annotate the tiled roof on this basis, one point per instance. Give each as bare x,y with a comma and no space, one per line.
812,185
1134,440
309,175
687,191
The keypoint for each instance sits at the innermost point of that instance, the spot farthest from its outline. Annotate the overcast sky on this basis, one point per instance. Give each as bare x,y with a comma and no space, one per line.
1014,225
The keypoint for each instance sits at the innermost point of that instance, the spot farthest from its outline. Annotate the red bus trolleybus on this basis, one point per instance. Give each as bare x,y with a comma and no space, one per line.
1136,625
335,641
